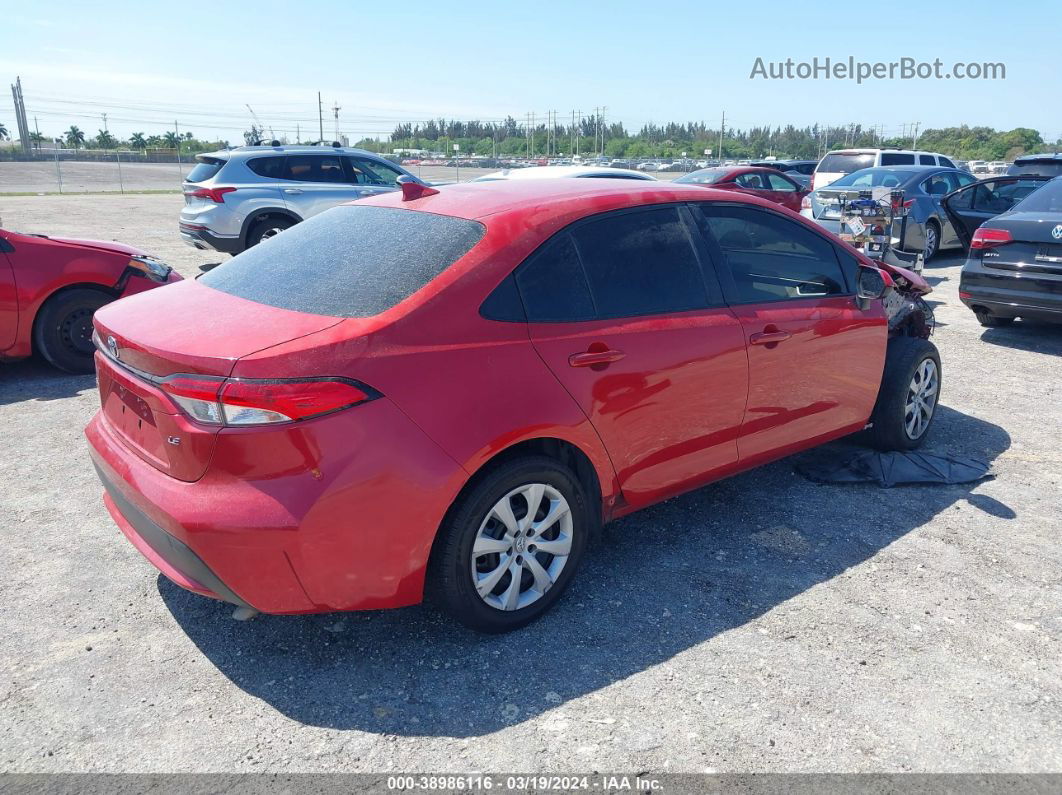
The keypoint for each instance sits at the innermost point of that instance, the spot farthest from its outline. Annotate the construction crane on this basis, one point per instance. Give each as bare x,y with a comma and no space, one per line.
258,122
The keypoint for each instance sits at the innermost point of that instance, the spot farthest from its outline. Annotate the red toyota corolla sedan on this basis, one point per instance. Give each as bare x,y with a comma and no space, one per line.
451,390
766,183
50,286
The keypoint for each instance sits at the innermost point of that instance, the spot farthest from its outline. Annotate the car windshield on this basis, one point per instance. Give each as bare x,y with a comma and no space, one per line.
841,163
350,261
1047,199
706,176
873,178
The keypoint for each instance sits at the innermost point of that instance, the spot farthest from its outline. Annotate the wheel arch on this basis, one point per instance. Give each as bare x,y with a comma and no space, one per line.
263,214
54,294
561,450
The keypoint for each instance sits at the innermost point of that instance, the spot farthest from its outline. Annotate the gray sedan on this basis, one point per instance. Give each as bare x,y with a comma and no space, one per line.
928,228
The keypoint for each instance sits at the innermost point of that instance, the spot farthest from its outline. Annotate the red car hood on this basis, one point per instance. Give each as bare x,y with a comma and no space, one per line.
102,245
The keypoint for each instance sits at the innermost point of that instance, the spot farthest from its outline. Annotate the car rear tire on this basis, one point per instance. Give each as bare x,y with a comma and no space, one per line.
494,569
908,396
988,320
63,331
267,228
932,241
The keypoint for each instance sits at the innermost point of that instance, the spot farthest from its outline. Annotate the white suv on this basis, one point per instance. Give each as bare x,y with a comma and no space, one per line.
238,197
844,161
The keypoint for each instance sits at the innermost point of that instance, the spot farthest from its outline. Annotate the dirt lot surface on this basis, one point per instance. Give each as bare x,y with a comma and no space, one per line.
761,624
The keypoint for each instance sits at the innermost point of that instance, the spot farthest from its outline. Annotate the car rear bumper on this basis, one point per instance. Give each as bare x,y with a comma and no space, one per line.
344,520
203,239
1005,294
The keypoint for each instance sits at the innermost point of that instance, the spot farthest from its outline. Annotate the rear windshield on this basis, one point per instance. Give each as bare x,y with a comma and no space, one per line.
1049,168
873,178
349,261
836,163
1047,199
205,169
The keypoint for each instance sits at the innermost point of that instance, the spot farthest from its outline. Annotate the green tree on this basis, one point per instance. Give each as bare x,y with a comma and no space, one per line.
171,139
74,136
104,140
137,141
4,134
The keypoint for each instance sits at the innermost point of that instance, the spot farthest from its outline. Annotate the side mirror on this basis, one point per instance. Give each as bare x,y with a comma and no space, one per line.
870,283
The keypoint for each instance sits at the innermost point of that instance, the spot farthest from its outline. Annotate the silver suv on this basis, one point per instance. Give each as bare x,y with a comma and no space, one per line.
237,198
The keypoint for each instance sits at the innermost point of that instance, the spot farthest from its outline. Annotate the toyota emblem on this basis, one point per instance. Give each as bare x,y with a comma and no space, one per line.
112,346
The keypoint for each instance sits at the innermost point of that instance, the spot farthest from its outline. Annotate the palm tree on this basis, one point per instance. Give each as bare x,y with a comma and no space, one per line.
172,140
37,139
4,134
105,140
74,136
137,140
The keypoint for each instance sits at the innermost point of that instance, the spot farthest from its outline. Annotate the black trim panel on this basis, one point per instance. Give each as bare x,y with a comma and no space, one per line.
174,552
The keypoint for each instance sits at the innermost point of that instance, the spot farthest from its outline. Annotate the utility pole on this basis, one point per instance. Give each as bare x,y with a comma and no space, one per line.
104,117
335,111
604,129
914,138
320,119
579,129
532,133
38,130
177,132
722,129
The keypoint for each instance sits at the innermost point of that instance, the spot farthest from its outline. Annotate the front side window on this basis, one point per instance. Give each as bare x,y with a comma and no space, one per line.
779,183
772,258
371,172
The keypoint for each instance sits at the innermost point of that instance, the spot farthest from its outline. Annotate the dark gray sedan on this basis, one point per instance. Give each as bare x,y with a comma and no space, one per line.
928,227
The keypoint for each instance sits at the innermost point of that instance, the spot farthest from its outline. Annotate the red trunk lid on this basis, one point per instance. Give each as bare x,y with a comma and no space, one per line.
184,328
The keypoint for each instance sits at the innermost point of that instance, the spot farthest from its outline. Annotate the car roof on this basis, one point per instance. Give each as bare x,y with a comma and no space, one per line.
301,149
477,200
547,172
1049,157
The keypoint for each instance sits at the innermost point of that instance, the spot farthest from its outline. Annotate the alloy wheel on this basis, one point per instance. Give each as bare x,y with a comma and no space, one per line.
921,399
522,546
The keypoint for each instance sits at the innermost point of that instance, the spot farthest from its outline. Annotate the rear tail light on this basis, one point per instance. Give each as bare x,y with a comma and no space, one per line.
805,203
216,195
220,401
990,238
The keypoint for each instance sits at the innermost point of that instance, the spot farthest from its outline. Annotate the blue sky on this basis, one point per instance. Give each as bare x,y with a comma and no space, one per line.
147,65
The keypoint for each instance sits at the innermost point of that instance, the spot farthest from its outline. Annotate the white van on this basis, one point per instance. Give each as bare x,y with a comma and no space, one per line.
844,161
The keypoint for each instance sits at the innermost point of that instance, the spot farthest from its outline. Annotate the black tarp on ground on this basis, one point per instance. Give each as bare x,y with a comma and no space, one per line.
889,469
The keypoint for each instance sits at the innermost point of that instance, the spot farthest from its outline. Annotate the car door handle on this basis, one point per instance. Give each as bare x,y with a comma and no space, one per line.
590,358
767,337
292,191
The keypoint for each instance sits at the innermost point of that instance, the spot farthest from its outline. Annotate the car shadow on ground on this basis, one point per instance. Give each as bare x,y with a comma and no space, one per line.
1027,336
660,582
33,379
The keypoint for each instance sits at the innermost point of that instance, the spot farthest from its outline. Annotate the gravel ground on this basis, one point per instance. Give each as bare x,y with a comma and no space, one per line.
760,624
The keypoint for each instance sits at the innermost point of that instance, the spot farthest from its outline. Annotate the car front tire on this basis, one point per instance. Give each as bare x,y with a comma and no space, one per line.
908,396
63,331
511,545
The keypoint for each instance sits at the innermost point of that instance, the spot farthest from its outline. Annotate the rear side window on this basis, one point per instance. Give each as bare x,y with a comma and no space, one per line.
271,167
772,258
314,168
946,162
552,284
641,263
927,160
349,261
206,168
836,163
897,159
